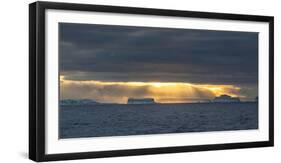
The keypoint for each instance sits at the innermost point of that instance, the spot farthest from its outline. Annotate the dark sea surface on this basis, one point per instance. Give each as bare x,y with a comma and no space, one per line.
122,120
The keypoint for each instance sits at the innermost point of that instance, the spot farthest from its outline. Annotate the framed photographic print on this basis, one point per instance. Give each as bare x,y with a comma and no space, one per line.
111,81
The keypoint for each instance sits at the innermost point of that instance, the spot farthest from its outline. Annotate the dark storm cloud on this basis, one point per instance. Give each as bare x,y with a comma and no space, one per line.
123,53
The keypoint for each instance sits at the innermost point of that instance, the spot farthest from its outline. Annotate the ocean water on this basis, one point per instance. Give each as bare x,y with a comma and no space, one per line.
122,120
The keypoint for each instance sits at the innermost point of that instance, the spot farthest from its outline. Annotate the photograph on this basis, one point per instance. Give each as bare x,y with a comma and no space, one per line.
111,81
118,80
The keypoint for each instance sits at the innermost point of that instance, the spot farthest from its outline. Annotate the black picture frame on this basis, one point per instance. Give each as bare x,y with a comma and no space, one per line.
37,78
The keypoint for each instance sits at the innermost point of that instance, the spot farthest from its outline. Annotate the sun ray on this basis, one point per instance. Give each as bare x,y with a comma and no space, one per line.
164,92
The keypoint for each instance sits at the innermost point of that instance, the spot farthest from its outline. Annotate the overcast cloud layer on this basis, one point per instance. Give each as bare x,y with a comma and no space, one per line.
124,53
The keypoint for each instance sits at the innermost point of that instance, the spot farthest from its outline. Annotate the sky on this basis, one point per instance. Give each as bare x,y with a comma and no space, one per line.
110,63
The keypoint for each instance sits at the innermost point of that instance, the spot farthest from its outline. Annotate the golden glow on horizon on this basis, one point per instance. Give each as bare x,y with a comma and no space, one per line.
164,92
